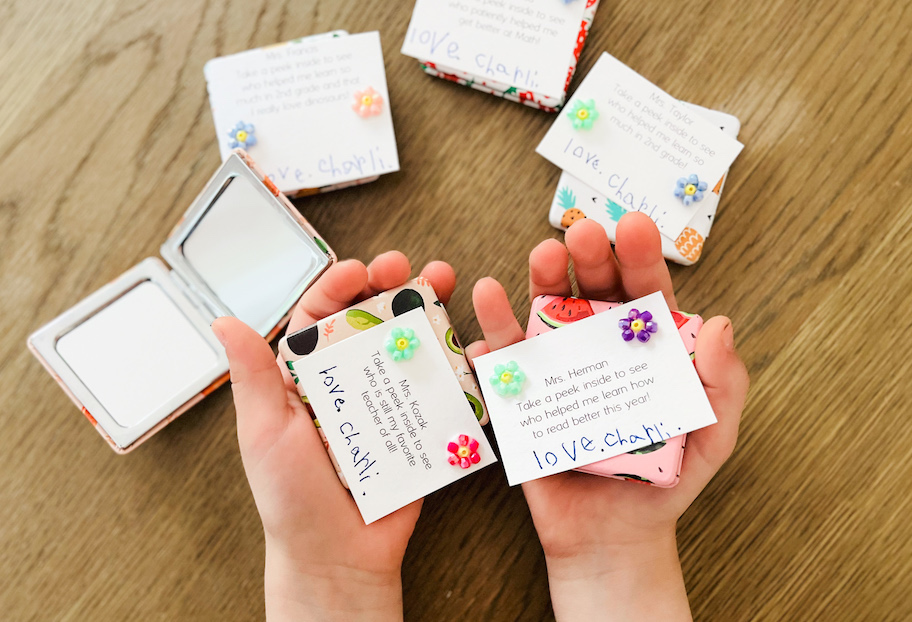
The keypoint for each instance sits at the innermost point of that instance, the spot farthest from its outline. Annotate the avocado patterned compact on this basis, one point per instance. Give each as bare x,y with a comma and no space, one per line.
658,464
399,346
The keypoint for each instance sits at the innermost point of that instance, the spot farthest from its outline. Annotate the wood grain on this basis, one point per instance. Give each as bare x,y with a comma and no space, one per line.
106,136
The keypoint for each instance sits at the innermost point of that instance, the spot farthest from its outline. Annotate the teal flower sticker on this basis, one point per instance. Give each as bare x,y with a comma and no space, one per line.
507,379
583,114
402,343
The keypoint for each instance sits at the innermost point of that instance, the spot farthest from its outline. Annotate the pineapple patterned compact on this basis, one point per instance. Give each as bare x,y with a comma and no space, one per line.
575,200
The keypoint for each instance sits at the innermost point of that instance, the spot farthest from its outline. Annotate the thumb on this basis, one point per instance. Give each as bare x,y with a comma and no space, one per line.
725,381
260,395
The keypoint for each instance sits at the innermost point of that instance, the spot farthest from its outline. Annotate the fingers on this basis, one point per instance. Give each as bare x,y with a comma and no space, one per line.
639,253
474,350
495,315
548,263
335,290
595,266
260,396
725,380
386,271
442,278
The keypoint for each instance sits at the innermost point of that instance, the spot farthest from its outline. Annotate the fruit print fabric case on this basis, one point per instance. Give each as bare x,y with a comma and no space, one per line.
575,200
502,89
370,313
658,464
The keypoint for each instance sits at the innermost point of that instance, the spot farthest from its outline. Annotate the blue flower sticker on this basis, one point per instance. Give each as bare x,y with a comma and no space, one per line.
690,189
242,136
402,343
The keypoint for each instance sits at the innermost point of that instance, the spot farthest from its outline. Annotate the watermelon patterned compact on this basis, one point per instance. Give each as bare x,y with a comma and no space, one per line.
658,464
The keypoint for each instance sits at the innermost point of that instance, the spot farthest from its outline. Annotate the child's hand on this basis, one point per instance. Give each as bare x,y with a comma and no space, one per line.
322,561
610,544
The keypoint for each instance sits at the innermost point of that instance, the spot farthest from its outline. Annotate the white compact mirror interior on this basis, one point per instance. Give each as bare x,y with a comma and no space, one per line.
133,352
245,251
139,351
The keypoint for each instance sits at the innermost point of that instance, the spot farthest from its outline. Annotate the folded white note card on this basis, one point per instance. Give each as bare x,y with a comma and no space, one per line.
633,143
581,394
313,112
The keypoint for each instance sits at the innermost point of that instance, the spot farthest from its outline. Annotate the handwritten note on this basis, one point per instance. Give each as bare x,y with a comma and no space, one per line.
589,395
299,96
389,423
526,44
642,142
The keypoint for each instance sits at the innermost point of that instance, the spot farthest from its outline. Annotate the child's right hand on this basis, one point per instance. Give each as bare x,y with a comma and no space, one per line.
609,544
322,561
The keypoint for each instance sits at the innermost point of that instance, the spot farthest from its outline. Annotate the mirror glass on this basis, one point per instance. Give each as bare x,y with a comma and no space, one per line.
137,353
252,255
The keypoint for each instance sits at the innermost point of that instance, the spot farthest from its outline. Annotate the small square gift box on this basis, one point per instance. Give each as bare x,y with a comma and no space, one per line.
314,111
624,145
658,464
138,353
399,345
525,53
575,200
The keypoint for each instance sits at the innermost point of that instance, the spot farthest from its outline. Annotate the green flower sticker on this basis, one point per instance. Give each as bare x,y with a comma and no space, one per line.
402,343
583,114
507,379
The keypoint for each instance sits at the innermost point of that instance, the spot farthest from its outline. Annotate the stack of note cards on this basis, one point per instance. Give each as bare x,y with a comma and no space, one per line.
525,51
313,112
625,145
394,399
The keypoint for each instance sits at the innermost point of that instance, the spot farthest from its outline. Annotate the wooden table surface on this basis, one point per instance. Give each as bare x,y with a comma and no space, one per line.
106,136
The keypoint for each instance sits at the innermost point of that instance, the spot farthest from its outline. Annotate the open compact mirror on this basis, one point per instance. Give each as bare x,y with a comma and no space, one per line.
139,351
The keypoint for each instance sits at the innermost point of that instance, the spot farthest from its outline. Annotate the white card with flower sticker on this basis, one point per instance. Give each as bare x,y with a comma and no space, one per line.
599,387
314,113
638,146
393,413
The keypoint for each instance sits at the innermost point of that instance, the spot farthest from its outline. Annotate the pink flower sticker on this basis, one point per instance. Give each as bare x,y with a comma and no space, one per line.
464,452
368,103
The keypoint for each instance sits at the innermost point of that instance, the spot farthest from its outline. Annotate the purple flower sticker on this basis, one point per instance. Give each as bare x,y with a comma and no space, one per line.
637,324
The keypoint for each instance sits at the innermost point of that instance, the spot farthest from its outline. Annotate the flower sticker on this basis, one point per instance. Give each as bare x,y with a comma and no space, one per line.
368,103
690,189
638,324
402,343
583,114
507,379
464,452
242,135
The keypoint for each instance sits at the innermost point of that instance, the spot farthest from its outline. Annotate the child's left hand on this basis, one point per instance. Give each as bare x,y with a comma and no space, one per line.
322,561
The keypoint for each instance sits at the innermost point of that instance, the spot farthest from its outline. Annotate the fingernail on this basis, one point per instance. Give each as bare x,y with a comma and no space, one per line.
728,337
218,334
